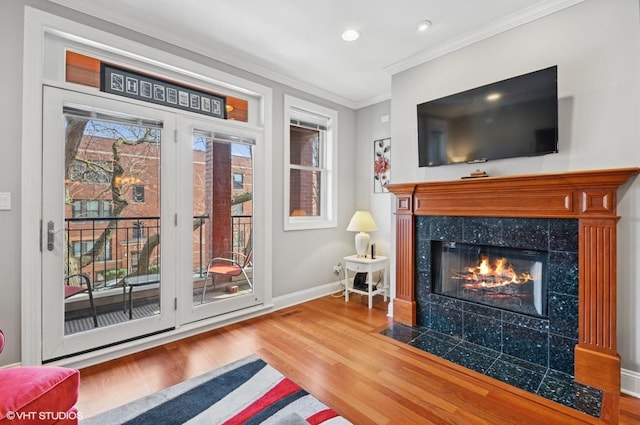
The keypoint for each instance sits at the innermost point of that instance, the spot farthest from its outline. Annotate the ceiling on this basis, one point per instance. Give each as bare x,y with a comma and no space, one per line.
298,42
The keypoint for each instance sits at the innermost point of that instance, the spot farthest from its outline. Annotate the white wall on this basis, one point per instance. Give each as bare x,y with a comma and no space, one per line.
374,123
302,260
596,46
10,131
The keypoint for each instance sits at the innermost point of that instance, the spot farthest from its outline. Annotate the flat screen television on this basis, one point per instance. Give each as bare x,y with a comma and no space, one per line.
510,118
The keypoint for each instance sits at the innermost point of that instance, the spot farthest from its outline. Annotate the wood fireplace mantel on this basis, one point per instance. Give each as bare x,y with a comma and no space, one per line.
589,196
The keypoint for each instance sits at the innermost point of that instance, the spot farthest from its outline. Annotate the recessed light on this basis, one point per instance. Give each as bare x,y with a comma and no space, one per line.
492,97
423,25
350,35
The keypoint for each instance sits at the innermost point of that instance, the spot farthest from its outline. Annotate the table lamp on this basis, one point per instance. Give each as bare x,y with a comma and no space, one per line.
362,222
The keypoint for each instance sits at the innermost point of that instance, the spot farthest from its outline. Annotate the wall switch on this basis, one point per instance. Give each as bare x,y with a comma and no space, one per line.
5,201
384,118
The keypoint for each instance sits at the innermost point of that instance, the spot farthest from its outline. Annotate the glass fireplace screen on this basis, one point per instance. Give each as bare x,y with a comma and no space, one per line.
505,278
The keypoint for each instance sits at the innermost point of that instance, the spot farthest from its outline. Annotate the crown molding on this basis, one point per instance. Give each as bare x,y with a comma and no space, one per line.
514,20
373,100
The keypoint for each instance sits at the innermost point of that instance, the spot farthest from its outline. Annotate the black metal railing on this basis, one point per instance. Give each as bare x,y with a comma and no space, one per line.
241,237
110,248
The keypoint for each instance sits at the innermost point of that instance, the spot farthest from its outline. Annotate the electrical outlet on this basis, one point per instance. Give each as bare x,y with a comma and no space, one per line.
338,268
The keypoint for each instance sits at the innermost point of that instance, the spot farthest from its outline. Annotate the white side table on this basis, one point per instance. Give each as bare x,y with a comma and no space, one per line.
365,265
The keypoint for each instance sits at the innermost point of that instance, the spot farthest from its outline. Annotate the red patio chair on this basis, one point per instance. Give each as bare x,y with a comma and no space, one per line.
234,264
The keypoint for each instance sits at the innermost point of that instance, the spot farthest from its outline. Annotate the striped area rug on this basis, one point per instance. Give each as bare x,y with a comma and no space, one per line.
248,391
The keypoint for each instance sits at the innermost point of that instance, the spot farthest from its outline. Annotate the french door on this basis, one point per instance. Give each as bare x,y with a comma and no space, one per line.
222,264
128,207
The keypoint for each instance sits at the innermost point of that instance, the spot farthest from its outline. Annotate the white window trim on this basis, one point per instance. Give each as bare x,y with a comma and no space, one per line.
329,195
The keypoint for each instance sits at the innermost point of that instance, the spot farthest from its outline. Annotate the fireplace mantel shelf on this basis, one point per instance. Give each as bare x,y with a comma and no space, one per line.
589,196
553,195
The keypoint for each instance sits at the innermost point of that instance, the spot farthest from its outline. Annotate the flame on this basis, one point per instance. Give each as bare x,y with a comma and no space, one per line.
484,268
488,275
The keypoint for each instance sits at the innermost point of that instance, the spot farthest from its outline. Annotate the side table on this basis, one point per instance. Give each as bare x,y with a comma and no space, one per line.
365,265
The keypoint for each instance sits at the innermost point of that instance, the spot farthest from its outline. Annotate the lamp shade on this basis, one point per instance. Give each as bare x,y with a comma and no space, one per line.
362,221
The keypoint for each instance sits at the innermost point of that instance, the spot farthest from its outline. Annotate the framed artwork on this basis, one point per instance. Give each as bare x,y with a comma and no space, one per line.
132,85
381,165
145,89
172,95
117,82
129,83
158,92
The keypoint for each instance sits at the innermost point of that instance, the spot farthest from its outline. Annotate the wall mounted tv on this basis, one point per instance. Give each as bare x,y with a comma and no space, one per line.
510,118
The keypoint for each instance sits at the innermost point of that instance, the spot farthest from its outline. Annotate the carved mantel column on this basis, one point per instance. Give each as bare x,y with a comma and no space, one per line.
404,305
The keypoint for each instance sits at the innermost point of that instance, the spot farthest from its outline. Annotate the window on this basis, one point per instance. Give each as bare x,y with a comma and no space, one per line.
310,162
237,209
81,248
137,230
238,181
87,208
138,194
134,260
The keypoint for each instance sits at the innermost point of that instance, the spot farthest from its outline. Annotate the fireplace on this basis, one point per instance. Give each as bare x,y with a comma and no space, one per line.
511,279
585,201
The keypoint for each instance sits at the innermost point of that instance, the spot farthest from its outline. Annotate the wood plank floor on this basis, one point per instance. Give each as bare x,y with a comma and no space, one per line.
333,350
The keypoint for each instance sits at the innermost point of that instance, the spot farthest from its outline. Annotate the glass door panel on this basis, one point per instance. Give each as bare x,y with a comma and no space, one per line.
222,257
112,220
102,190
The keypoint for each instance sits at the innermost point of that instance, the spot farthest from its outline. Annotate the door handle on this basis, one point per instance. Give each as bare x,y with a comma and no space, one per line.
50,234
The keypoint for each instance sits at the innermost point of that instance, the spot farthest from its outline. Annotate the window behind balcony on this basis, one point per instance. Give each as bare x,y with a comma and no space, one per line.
81,248
91,208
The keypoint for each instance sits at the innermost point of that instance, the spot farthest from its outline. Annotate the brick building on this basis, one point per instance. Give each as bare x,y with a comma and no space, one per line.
92,207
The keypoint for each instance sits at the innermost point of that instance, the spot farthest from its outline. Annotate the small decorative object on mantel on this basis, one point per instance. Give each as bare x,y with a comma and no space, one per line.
476,174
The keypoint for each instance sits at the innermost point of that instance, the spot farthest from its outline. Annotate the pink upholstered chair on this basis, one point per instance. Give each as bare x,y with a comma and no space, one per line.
38,395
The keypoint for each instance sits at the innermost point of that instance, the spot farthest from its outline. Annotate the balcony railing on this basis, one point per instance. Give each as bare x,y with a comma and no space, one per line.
133,242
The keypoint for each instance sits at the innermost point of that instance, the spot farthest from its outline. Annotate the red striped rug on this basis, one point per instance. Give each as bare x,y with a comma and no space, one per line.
248,391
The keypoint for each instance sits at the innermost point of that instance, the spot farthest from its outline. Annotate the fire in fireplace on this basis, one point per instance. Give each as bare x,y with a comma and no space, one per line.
506,278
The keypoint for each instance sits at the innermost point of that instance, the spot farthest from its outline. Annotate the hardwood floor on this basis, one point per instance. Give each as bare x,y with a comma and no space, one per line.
333,350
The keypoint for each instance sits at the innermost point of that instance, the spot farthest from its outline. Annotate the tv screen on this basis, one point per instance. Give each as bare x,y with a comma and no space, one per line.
509,118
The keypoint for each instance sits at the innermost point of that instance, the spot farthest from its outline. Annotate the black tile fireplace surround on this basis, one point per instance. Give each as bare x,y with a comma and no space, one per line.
548,342
532,353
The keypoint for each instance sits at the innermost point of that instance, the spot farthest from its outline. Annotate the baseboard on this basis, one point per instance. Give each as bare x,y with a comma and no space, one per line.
306,295
630,382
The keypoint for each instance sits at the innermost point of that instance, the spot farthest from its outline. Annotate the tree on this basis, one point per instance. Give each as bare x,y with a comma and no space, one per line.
91,170
102,159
